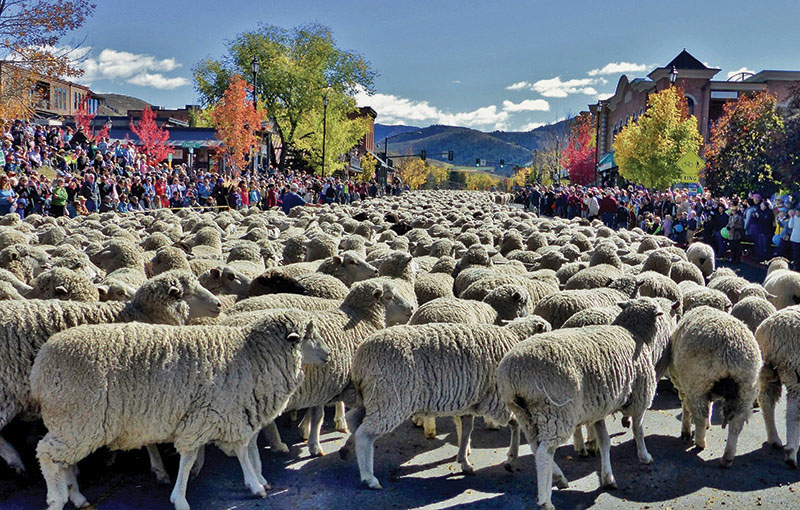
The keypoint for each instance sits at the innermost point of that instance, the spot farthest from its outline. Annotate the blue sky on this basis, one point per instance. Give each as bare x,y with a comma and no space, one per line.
498,64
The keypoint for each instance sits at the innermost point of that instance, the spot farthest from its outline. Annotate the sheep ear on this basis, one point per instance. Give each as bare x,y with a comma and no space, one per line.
102,290
337,259
540,328
13,256
377,293
676,306
216,272
516,296
770,296
623,304
293,337
61,290
175,292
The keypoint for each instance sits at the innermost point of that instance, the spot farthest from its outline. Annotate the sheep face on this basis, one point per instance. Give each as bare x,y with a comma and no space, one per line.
398,310
225,280
356,268
116,291
313,347
202,303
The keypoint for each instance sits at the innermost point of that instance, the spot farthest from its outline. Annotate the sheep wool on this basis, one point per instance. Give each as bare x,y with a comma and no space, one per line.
64,284
506,302
559,307
82,380
752,311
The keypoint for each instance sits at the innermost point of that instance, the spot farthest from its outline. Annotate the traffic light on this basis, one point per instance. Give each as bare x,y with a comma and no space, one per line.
423,154
502,163
449,155
477,161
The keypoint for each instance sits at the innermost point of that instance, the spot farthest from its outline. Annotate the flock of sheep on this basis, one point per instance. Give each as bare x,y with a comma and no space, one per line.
126,331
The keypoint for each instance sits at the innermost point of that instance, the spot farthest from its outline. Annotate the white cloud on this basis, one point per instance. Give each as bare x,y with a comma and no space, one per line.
618,68
532,125
742,69
457,82
110,64
158,81
554,87
528,105
393,109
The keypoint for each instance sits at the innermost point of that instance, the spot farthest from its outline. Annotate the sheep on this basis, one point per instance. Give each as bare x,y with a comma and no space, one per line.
778,342
173,297
702,296
504,303
168,258
369,306
444,370
554,382
310,284
605,253
714,357
115,291
19,285
7,291
294,250
225,280
349,267
78,261
567,271
686,271
430,286
64,284
399,268
702,256
659,261
595,316
559,307
15,261
652,284
271,301
752,310
731,286
537,289
167,401
118,253
476,255
784,285
593,277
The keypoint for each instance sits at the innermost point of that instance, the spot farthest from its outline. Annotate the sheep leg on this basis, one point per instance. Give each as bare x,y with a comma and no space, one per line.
255,459
417,420
513,449
305,425
429,426
74,493
339,420
274,438
157,465
250,478
769,391
56,478
700,410
591,441
178,495
577,442
686,422
638,436
365,453
314,418
544,474
792,430
604,442
463,444
198,462
11,456
354,418
734,429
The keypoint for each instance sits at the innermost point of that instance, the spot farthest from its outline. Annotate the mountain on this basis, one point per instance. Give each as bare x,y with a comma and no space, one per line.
515,148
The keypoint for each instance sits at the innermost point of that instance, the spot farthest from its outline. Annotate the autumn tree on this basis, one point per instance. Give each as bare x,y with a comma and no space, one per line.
546,162
30,40
83,119
413,171
578,157
521,176
437,176
647,150
154,139
481,181
236,120
740,153
369,164
787,146
296,64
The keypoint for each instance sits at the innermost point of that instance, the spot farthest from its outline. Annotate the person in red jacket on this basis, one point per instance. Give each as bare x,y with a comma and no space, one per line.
608,209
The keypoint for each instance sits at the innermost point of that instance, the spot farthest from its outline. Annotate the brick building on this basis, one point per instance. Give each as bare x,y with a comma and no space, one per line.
706,98
54,97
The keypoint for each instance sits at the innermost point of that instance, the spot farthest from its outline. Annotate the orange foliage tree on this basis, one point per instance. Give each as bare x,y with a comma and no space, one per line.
578,156
154,139
236,120
83,118
30,33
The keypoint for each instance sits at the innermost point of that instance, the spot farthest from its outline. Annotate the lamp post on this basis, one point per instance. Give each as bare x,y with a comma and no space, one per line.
597,141
673,76
255,65
386,147
324,129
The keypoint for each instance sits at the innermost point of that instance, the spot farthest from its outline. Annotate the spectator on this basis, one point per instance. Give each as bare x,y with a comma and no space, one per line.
8,196
764,220
736,233
794,238
58,198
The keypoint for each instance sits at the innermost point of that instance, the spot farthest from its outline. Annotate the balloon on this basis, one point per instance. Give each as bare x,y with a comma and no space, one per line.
678,228
776,240
724,232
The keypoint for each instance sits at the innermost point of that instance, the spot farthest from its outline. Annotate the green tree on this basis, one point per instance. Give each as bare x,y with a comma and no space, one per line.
787,147
741,153
647,151
295,66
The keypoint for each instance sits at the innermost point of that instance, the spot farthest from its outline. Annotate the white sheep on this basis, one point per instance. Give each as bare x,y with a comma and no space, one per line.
784,285
193,385
702,256
714,357
506,302
559,307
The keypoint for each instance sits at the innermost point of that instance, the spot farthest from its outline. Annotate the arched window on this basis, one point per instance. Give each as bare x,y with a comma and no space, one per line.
690,102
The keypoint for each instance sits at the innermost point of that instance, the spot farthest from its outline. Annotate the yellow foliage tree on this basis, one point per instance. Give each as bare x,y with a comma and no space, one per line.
413,171
368,166
520,177
437,176
481,181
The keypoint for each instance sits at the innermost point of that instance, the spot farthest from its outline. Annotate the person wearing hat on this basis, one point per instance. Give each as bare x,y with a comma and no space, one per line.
80,206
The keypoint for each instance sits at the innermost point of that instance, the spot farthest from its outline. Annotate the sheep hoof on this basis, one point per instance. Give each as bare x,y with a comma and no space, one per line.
510,466
583,452
280,448
546,506
162,478
372,484
699,445
686,436
266,486
591,447
790,460
18,469
343,429
468,469
776,445
610,483
626,422
430,435
560,482
646,459
316,452
726,462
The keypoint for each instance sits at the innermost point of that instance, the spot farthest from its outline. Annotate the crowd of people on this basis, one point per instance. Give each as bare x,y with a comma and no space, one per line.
88,175
767,227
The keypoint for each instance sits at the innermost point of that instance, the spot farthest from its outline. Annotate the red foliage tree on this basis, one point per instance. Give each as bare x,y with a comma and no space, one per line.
236,120
83,118
154,139
578,156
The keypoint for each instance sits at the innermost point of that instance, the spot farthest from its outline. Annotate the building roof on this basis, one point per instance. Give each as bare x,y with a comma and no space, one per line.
121,103
685,60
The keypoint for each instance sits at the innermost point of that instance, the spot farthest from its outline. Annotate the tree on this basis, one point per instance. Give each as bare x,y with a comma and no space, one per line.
546,160
521,176
481,181
740,153
342,133
647,151
83,118
787,146
296,64
236,120
30,34
368,166
154,139
413,171
578,156
437,176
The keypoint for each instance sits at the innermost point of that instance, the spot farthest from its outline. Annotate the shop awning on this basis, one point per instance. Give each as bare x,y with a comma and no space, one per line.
606,162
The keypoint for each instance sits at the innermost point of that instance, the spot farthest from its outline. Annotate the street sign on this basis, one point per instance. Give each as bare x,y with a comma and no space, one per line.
690,165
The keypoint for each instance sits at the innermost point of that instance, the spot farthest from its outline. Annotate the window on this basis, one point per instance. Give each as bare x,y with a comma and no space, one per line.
690,102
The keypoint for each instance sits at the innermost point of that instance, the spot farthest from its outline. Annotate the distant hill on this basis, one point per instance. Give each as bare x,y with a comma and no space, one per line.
515,148
119,104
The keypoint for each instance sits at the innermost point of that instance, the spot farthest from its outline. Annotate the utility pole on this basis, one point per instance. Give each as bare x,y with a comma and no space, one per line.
324,129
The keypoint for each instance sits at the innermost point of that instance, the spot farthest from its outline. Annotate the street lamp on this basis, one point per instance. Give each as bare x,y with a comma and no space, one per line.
255,65
597,142
673,75
324,128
